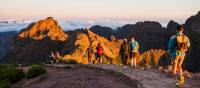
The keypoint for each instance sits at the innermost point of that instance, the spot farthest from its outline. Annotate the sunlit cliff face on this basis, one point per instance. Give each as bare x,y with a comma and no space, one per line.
44,28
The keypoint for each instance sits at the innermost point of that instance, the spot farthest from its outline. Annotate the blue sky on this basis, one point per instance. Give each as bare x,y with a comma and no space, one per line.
159,10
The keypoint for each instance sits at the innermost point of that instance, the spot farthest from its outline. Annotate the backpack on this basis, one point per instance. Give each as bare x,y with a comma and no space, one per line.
126,48
181,45
90,50
133,45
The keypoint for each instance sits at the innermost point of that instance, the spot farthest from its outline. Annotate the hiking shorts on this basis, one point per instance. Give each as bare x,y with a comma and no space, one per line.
134,54
177,53
99,55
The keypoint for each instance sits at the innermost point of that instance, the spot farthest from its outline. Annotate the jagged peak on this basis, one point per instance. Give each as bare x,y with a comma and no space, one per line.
198,14
49,18
44,28
172,22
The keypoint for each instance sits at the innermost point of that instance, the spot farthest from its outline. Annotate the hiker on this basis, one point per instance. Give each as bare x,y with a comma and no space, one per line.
134,53
89,53
99,53
55,57
124,52
177,47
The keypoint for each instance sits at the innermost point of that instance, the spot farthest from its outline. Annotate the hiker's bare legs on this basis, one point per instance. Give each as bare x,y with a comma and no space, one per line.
175,63
132,62
127,58
89,60
180,64
101,59
135,61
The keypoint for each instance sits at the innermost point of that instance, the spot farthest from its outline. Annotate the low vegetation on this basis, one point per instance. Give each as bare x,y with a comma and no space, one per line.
35,71
71,61
5,83
10,75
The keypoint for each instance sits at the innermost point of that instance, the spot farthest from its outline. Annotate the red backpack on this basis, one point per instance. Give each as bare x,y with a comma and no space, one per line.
99,50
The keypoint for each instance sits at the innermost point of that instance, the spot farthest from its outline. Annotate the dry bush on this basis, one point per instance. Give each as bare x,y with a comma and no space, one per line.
151,57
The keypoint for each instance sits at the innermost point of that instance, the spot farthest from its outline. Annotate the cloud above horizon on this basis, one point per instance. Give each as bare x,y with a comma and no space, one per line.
161,10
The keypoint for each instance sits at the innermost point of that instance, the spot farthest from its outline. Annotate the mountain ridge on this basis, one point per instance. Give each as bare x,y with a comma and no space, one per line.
73,44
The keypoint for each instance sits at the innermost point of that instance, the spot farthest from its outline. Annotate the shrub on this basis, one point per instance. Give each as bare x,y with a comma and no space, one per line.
71,61
117,61
5,83
35,71
10,72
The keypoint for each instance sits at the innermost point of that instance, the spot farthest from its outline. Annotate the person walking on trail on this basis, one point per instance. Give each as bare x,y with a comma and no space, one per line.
99,53
134,53
89,53
124,52
177,47
56,57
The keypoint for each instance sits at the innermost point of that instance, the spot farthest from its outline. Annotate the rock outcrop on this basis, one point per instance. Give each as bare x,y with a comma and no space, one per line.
171,29
193,28
106,32
44,28
35,43
80,40
147,33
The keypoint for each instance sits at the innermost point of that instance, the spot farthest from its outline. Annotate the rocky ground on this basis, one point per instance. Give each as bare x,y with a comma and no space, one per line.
79,76
104,76
147,78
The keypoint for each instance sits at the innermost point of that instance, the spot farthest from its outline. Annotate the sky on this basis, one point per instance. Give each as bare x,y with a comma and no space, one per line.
138,10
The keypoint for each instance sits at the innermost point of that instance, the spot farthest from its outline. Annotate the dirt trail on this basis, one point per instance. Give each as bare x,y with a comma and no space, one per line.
80,76
147,78
103,76
152,78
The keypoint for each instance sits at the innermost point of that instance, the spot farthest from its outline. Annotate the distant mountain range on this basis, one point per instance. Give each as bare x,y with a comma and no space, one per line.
12,25
34,43
5,42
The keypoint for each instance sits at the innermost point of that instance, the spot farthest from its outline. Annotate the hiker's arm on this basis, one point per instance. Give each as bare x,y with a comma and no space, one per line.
138,45
188,42
129,48
170,44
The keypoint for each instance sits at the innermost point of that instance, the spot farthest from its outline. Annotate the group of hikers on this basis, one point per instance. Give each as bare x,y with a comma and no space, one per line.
126,51
99,54
129,50
177,47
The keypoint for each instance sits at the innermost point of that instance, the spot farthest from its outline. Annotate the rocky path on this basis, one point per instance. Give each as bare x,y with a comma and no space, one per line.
79,76
147,78
103,76
152,78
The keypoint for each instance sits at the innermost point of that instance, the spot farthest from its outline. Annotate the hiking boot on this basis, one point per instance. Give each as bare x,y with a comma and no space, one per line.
177,85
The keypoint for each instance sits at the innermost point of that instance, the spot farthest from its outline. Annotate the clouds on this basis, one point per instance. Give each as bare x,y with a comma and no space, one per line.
66,25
